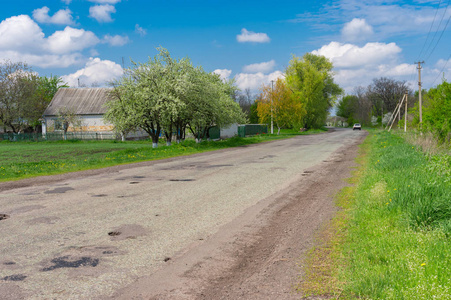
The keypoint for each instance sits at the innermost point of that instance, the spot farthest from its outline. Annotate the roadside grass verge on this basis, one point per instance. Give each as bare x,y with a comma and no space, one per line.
397,225
20,160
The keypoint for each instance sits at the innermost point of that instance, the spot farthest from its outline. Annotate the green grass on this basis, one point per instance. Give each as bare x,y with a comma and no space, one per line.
393,232
20,160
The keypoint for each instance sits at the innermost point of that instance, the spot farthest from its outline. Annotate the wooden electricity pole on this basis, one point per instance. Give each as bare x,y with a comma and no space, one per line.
419,91
405,113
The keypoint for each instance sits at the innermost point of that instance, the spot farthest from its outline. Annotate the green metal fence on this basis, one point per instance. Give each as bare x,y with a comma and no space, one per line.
252,129
57,136
214,133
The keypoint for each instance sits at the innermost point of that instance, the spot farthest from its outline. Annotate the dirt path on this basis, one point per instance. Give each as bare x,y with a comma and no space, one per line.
229,224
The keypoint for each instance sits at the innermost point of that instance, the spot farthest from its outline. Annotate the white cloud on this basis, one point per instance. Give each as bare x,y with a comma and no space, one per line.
139,30
357,30
96,71
116,40
102,13
263,67
43,60
256,80
349,56
71,40
20,33
223,73
21,39
105,1
61,17
250,36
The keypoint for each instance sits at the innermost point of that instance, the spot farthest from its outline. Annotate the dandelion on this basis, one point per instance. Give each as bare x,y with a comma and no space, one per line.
423,264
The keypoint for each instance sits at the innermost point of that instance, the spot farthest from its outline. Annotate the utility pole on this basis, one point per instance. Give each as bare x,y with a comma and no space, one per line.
272,96
405,113
419,92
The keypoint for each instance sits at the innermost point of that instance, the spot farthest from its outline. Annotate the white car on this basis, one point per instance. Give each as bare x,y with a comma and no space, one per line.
357,126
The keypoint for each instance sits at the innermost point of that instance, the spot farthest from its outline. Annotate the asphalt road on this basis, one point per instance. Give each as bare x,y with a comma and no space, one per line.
86,237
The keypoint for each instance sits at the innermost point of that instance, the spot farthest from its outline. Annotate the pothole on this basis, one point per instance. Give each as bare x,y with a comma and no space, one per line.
114,233
181,179
139,177
66,262
166,259
134,182
17,277
100,195
60,190
4,217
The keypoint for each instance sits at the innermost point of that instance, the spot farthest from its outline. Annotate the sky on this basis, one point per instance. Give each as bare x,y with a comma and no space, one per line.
252,42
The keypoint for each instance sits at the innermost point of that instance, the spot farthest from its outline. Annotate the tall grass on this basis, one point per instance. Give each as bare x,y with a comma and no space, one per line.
397,244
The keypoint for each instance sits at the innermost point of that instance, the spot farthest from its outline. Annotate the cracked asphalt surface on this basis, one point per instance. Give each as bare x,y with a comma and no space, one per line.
229,224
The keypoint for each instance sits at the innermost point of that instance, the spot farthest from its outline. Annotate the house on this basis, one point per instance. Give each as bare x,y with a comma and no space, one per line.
88,104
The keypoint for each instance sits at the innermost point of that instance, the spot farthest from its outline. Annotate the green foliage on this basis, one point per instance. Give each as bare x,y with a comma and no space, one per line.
397,244
437,111
311,80
347,107
253,116
171,95
23,95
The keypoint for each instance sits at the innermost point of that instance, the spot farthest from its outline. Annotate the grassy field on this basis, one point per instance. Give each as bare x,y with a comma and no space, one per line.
392,238
29,159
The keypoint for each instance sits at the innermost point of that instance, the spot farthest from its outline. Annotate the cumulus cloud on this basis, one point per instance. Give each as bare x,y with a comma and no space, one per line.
102,13
263,67
71,40
96,72
139,30
357,30
21,39
223,73
43,60
61,17
253,37
255,81
116,40
349,55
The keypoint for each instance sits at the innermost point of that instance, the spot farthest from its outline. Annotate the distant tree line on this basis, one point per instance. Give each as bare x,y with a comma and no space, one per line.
168,95
24,96
374,104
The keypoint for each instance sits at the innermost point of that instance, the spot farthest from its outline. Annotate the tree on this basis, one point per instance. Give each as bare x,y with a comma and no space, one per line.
311,80
17,84
167,94
279,102
67,117
347,107
385,93
44,90
119,111
437,111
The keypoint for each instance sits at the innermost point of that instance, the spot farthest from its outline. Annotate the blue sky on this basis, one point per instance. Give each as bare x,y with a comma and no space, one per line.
250,41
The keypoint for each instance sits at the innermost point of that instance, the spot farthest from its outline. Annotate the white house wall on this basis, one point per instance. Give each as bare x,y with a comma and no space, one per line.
229,132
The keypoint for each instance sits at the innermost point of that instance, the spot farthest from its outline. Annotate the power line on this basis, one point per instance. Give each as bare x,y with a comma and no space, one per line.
443,31
440,73
430,29
438,28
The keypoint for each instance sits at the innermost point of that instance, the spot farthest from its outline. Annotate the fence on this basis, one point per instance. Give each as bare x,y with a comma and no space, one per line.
57,136
252,129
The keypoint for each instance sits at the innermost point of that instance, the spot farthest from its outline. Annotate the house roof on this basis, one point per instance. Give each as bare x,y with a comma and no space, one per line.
81,101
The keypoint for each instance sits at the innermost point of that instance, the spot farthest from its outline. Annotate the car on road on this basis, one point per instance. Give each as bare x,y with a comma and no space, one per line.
357,126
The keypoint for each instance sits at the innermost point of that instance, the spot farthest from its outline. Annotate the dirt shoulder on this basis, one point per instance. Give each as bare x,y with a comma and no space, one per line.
260,254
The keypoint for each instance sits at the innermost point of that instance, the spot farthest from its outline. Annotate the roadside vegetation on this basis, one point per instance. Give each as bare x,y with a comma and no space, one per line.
20,160
391,239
